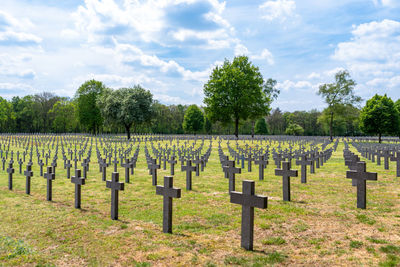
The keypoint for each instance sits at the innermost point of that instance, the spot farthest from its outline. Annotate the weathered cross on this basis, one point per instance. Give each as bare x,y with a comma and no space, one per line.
172,161
262,163
126,166
286,173
231,170
68,166
10,171
248,200
189,169
361,175
115,187
168,192
49,176
28,174
303,162
78,181
153,168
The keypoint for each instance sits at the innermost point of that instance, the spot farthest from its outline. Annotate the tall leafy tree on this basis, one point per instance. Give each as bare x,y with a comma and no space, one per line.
127,107
88,111
43,103
194,119
379,116
235,91
276,122
261,126
7,115
338,94
63,114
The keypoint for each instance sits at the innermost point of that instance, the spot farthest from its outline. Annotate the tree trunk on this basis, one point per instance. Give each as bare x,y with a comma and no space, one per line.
380,138
237,127
252,128
330,126
128,132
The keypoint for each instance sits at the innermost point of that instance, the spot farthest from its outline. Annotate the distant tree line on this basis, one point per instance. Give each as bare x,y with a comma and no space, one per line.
237,101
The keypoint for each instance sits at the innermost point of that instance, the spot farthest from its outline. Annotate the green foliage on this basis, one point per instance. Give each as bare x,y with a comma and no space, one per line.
276,122
338,94
167,119
207,125
345,123
236,91
7,115
126,107
379,116
63,115
294,129
88,111
261,126
194,119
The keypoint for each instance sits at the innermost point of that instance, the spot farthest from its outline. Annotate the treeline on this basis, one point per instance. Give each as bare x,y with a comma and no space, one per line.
47,112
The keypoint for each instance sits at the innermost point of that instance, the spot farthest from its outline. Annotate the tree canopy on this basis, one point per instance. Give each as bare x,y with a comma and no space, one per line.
261,126
126,106
338,94
379,116
236,91
194,119
88,111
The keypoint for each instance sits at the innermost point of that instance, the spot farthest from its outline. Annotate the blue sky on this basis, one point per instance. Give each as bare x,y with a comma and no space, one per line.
171,46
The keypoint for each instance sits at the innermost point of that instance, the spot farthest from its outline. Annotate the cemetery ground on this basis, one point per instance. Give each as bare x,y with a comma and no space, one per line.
320,226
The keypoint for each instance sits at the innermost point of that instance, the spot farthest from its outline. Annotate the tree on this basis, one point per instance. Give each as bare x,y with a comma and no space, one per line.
235,91
7,115
63,114
126,107
43,103
337,94
88,111
194,119
294,129
379,116
207,125
261,126
276,122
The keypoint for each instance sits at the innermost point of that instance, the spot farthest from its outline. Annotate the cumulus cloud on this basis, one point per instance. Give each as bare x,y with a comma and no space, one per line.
279,10
288,85
373,52
265,55
12,31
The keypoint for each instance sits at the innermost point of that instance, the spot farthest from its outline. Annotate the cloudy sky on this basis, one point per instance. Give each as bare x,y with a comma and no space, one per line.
171,46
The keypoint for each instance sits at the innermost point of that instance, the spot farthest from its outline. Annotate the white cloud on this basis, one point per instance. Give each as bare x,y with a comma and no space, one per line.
373,53
386,3
19,38
279,10
130,53
288,85
265,55
241,50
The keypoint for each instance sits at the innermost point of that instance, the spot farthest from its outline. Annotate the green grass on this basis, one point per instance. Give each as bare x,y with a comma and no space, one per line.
320,226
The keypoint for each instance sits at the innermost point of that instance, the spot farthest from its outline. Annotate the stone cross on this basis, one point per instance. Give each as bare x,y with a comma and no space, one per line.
49,176
396,158
104,165
115,187
249,201
361,175
168,192
10,171
28,174
78,181
262,163
126,166
303,162
172,161
231,170
189,169
68,166
153,169
286,173
85,165
41,167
